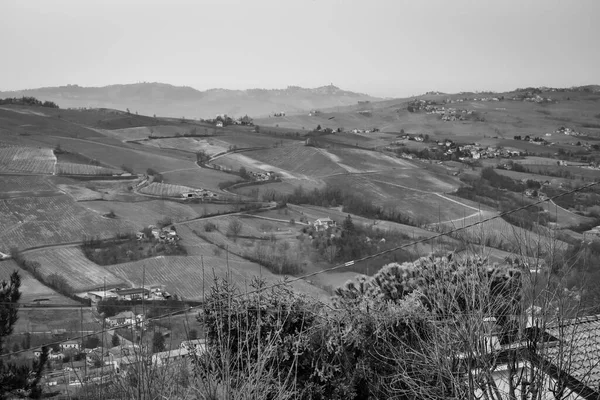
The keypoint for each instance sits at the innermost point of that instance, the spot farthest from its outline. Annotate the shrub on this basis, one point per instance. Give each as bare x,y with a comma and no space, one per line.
210,227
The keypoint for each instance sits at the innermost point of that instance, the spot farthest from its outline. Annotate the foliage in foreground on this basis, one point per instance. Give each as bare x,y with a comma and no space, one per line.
378,341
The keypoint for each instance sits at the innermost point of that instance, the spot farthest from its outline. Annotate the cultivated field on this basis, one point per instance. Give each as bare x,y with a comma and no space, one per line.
65,168
27,159
185,276
38,221
70,262
143,213
80,193
31,288
15,183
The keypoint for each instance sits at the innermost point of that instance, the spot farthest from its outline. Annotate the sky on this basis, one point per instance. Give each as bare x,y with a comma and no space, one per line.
387,48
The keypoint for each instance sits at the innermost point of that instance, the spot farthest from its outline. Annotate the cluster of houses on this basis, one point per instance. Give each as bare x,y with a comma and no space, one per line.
476,151
222,120
164,235
101,365
261,176
453,114
279,114
364,130
567,131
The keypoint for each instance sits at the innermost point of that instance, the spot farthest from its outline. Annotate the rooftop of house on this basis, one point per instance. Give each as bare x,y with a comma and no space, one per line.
579,351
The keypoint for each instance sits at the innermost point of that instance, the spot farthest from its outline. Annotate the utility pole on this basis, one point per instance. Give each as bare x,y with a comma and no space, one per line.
81,323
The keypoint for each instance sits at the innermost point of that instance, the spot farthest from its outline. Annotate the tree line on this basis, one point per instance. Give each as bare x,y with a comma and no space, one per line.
28,101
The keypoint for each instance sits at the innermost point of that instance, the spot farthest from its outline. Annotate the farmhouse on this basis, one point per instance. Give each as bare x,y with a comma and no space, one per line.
322,224
219,124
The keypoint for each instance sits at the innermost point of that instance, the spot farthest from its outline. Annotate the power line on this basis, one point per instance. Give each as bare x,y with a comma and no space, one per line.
336,267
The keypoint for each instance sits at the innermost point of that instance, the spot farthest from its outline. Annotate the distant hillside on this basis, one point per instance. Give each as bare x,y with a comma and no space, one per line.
181,101
521,111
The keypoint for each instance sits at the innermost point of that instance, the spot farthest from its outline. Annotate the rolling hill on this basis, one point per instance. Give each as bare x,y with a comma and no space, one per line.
177,101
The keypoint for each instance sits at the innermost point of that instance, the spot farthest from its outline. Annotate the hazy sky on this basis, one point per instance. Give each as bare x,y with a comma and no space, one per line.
382,47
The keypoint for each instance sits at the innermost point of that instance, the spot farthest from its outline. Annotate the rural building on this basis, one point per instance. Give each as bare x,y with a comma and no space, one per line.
219,124
133,294
70,344
98,295
122,318
166,357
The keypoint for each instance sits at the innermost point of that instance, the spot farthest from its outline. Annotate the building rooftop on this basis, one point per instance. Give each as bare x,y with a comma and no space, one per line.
578,352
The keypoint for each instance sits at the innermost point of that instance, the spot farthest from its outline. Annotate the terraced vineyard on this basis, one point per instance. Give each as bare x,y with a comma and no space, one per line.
38,221
27,159
66,168
165,190
185,276
70,262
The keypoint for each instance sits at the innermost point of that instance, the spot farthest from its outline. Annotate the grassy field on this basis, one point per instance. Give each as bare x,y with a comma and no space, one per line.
285,187
27,159
165,190
38,221
191,144
18,120
297,160
186,277
358,160
144,213
31,288
199,178
70,262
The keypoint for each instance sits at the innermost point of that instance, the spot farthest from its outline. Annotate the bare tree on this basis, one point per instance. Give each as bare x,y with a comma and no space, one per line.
234,228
